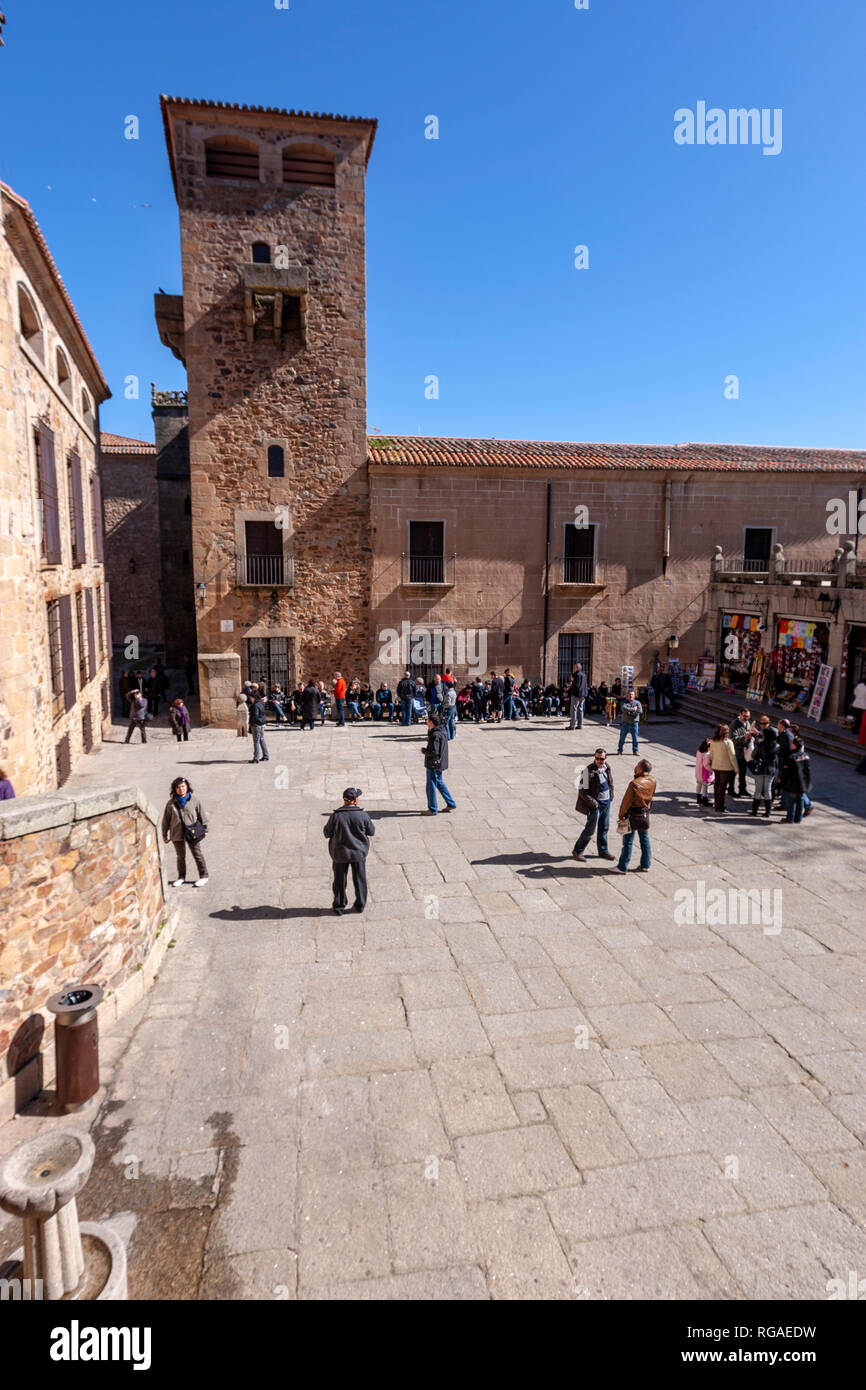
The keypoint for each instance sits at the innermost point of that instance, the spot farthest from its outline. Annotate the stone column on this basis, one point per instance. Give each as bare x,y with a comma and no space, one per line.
39,1181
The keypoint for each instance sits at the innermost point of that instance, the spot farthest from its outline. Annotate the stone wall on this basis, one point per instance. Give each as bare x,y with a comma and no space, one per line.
83,901
132,538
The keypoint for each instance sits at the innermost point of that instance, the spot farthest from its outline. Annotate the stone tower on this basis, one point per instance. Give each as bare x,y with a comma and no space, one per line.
271,328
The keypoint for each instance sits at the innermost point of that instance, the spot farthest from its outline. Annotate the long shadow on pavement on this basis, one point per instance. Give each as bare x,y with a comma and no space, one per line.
260,914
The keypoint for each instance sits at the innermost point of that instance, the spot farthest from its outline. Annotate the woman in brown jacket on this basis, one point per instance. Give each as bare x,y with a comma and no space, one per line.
723,758
183,811
635,810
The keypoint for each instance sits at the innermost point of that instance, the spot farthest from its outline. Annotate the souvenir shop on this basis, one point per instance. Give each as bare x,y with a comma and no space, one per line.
793,664
740,644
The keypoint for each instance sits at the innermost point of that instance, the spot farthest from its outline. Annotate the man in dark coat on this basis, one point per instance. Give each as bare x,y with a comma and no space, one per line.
436,761
348,832
310,702
577,693
406,695
796,779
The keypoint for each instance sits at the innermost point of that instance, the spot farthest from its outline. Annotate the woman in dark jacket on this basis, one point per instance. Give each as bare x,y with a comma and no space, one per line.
309,703
183,811
763,765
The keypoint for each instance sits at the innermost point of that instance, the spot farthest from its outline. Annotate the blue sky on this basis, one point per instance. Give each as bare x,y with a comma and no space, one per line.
555,130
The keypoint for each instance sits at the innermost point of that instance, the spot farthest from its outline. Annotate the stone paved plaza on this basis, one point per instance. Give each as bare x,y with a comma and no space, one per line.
515,1076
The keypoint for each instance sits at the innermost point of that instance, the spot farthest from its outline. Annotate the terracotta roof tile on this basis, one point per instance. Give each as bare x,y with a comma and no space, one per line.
410,451
122,444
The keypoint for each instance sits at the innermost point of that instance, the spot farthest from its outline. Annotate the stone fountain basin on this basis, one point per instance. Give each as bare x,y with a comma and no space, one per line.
104,1277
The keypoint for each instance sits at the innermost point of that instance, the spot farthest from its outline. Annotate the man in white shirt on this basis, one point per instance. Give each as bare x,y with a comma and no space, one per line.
859,705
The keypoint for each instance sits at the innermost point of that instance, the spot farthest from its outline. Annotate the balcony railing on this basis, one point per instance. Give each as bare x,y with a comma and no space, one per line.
824,570
578,571
429,569
265,571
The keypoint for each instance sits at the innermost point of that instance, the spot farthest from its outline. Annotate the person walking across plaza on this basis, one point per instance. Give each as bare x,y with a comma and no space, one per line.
436,762
178,715
724,764
258,719
593,800
634,817
577,692
349,831
184,823
137,714
629,719
740,729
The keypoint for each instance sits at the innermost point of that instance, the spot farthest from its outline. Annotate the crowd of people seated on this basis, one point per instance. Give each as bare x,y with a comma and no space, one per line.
484,700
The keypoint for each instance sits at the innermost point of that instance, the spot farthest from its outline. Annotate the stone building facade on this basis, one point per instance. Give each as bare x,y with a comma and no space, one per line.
54,637
271,328
604,553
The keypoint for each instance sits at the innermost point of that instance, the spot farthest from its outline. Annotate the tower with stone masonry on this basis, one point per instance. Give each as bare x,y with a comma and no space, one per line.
271,329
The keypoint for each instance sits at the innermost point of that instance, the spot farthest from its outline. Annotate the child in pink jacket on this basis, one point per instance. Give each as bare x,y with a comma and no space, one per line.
704,775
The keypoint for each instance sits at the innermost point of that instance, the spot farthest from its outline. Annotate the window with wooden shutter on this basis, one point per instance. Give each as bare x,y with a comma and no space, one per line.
67,651
308,166
100,619
229,157
76,510
82,638
91,636
96,515
55,657
46,475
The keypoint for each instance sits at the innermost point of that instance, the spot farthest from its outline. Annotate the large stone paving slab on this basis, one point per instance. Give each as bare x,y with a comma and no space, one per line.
514,1076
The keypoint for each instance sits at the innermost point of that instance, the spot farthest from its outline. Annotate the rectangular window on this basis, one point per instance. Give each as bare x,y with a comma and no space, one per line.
96,515
62,760
426,552
76,510
91,635
307,168
578,560
82,638
291,313
49,499
263,559
100,619
757,545
67,651
55,656
574,647
271,659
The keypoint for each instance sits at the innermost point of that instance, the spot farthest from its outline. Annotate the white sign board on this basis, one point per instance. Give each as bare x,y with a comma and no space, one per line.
819,694
227,625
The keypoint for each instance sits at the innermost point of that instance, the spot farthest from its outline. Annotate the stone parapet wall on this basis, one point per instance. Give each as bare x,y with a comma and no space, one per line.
83,901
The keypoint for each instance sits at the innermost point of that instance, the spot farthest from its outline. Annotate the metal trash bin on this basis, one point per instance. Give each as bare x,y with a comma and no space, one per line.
76,1041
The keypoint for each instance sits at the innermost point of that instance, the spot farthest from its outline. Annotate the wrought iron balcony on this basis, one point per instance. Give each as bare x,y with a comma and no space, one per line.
264,571
439,571
578,572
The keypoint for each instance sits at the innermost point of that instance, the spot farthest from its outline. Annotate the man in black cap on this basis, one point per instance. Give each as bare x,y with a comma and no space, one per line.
348,832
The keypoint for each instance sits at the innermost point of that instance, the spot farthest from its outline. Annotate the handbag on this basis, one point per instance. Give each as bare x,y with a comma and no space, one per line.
195,832
585,803
638,817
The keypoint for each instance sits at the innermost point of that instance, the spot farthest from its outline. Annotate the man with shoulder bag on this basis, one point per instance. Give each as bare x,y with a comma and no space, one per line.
593,801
